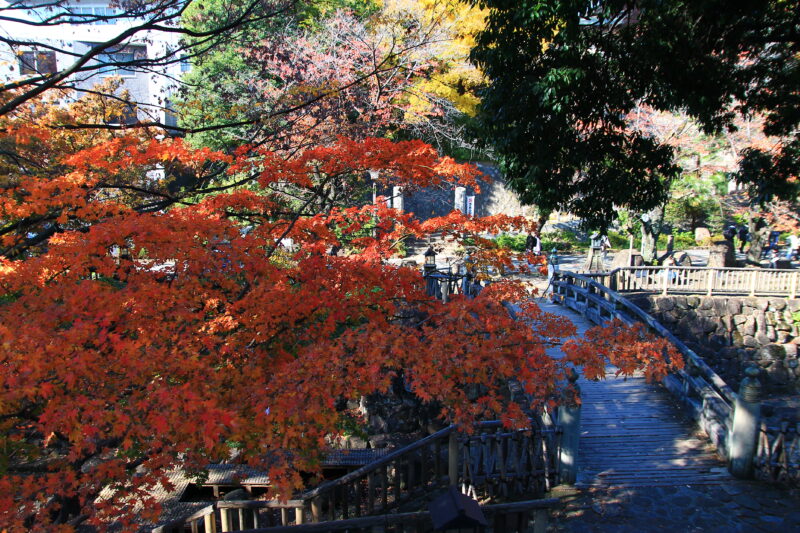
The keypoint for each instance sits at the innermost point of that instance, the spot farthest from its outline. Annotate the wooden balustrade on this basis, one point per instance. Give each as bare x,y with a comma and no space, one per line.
503,518
701,390
702,280
492,461
778,455
225,516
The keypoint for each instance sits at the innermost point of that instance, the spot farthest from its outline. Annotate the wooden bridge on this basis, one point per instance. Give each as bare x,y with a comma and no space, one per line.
634,434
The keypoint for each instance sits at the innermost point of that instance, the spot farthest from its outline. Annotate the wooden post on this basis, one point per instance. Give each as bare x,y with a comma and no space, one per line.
298,515
710,281
225,520
540,521
744,434
569,418
316,509
793,286
452,458
666,281
753,280
209,523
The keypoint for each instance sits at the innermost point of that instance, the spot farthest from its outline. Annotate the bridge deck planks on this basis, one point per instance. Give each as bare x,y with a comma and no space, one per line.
632,434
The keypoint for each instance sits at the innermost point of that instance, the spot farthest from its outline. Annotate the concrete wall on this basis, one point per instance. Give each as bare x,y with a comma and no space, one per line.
732,332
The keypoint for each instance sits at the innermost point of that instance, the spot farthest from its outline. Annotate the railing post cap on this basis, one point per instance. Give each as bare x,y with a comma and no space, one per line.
750,386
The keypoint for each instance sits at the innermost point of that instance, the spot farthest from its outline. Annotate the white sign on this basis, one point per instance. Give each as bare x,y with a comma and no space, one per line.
471,206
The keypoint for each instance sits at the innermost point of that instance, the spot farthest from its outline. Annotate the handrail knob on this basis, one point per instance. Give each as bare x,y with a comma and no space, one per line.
750,386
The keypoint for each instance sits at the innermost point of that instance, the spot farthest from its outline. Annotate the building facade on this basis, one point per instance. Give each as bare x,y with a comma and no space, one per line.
31,49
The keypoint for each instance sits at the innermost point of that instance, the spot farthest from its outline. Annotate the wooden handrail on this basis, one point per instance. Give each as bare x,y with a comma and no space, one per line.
702,280
706,371
229,504
403,518
309,505
389,458
385,460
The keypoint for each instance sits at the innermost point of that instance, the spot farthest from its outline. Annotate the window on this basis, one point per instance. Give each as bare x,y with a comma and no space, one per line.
113,69
33,62
84,14
186,65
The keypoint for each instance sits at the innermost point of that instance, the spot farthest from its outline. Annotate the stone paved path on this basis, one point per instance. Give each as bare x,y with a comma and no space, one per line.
642,468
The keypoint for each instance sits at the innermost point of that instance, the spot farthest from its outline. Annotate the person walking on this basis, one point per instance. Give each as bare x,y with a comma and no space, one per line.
729,233
772,243
793,249
744,236
605,244
533,244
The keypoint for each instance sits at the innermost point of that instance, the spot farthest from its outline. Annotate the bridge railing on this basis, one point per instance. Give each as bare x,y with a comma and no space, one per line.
492,461
701,390
702,280
778,454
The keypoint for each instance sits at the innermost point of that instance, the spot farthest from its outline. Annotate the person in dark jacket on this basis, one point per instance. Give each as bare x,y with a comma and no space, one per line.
744,236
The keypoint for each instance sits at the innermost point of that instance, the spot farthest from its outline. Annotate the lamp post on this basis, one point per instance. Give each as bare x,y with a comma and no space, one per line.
428,269
430,260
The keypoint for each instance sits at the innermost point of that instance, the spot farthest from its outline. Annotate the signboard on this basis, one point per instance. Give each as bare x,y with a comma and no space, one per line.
471,206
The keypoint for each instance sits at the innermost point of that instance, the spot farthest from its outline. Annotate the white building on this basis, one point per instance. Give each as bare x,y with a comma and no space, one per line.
46,49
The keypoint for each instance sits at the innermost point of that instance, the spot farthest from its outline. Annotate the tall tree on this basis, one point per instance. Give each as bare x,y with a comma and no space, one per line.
564,76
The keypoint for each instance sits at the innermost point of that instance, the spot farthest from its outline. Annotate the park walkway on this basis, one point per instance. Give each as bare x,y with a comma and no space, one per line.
641,467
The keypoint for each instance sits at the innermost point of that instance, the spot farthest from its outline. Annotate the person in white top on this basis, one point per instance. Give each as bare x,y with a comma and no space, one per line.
794,246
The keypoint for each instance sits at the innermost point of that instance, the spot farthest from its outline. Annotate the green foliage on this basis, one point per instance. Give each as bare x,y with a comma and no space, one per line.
511,242
683,240
563,241
695,201
565,74
310,13
216,88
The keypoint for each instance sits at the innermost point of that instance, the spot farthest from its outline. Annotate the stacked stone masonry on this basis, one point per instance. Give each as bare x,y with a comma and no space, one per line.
730,333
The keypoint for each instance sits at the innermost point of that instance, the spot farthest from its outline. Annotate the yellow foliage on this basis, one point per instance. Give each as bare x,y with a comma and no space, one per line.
455,25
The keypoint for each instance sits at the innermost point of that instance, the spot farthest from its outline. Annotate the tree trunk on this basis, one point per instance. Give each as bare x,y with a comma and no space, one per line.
759,232
541,220
649,240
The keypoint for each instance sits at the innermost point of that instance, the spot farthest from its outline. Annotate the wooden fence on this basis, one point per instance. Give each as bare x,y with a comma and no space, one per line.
701,390
524,516
517,517
778,455
492,461
702,280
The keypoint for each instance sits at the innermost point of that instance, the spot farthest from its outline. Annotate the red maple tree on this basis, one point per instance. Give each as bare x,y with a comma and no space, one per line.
135,340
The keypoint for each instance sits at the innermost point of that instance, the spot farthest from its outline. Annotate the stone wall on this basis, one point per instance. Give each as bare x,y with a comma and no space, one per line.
494,198
731,332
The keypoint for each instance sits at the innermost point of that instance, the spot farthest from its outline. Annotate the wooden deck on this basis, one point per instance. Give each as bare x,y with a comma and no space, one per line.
632,433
